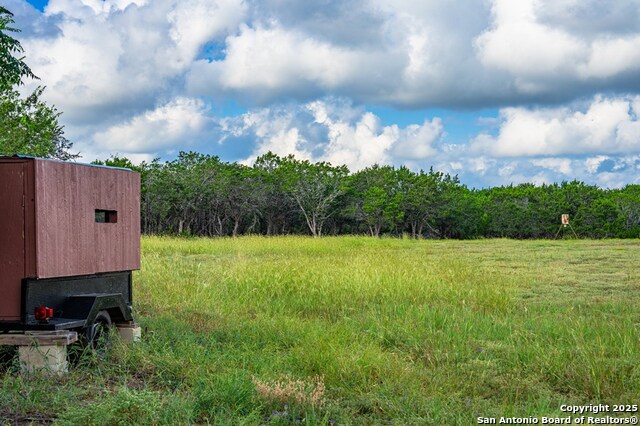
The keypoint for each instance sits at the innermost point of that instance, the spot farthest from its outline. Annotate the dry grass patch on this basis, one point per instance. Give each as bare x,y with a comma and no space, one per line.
287,390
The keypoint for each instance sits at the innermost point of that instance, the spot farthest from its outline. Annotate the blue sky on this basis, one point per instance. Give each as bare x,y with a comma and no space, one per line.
39,4
497,91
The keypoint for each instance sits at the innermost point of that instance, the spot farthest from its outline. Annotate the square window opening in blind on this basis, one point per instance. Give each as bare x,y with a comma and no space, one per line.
106,216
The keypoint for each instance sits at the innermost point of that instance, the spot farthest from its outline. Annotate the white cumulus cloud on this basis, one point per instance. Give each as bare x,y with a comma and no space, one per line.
607,126
181,122
109,59
270,61
543,52
559,165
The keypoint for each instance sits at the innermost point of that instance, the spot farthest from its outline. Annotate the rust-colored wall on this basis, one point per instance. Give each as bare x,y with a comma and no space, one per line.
17,233
12,242
68,240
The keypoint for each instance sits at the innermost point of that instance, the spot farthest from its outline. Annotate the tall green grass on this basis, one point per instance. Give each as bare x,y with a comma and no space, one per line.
355,330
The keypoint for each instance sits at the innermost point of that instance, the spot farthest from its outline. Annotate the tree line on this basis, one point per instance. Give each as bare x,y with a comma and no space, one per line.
198,194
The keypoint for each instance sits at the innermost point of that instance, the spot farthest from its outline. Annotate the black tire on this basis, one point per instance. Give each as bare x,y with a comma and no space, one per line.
98,333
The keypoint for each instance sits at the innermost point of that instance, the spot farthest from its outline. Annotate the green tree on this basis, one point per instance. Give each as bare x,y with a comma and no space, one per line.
189,180
275,206
628,203
423,199
27,125
12,69
117,161
242,197
30,126
315,187
378,198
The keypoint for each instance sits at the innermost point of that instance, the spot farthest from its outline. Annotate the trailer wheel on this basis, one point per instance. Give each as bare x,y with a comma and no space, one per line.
97,333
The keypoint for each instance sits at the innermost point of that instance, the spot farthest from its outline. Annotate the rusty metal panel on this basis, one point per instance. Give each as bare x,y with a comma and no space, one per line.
12,237
69,241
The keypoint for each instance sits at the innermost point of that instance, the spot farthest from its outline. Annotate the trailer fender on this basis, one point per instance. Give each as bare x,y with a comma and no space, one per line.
87,306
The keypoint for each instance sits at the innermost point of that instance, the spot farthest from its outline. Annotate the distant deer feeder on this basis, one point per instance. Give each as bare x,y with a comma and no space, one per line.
564,223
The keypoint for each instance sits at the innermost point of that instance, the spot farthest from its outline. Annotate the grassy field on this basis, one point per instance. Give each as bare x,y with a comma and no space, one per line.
356,330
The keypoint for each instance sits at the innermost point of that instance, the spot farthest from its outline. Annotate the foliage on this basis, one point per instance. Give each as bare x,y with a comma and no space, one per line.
315,188
27,125
12,69
275,206
116,161
30,126
377,198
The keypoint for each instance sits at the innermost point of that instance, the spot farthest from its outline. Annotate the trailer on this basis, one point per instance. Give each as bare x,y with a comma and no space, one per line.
69,241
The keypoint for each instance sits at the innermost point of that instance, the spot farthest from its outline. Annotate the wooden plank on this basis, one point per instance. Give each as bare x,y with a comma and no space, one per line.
55,338
48,333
